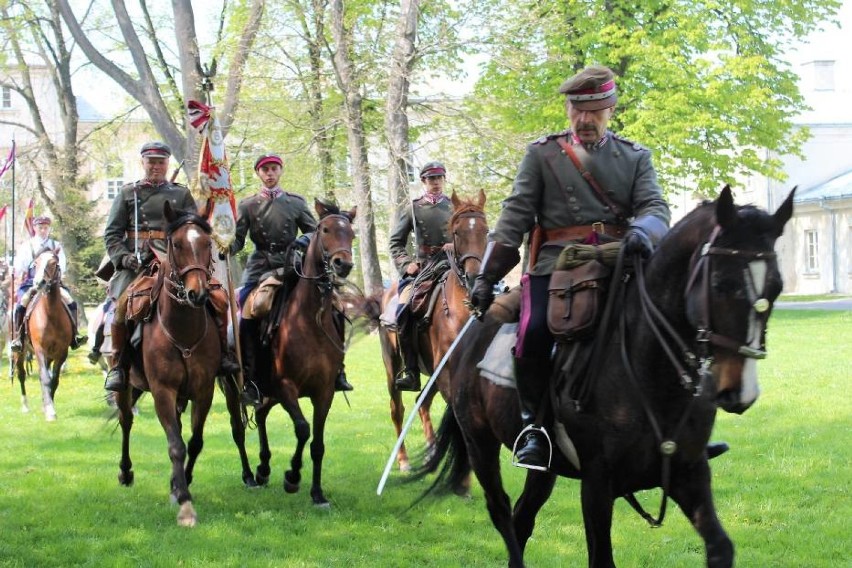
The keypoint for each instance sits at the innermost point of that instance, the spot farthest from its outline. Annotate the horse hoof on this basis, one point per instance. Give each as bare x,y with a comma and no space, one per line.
125,479
25,409
262,479
404,467
291,487
186,515
50,414
323,505
249,481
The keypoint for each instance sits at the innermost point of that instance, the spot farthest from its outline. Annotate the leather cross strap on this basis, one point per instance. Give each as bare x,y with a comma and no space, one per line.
587,175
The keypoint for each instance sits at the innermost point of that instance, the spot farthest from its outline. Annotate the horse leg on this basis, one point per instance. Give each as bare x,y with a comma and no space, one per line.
263,470
125,419
393,365
238,428
45,375
426,421
302,429
694,496
166,407
597,499
321,408
200,409
22,377
537,489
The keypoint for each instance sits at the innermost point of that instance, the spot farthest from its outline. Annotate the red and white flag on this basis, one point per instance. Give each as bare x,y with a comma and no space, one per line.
28,218
214,177
8,163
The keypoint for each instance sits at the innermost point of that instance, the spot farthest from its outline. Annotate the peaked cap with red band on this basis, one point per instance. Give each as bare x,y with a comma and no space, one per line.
42,220
433,169
155,150
268,159
593,88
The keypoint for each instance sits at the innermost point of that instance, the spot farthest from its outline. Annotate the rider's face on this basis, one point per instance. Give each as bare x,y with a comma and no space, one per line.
155,168
588,125
434,185
269,174
42,230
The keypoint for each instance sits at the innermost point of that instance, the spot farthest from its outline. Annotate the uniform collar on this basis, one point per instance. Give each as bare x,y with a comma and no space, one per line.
146,184
433,199
597,145
271,193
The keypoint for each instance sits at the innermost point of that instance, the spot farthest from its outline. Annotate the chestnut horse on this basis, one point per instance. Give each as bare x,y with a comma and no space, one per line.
179,354
307,348
469,229
685,340
49,332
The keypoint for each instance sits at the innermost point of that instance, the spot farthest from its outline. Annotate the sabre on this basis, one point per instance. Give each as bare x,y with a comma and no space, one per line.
136,226
419,403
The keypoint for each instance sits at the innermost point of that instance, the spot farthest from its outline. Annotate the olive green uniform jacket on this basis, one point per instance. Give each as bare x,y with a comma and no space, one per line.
549,190
272,225
122,218
432,231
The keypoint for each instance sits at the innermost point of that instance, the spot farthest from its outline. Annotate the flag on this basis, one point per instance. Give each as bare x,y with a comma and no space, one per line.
28,218
8,163
3,211
214,178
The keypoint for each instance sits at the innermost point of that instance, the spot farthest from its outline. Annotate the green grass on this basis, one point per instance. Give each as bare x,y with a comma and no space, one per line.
782,492
811,297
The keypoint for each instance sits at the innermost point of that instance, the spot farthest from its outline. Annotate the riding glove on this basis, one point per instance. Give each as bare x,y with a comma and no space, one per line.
482,294
130,262
637,241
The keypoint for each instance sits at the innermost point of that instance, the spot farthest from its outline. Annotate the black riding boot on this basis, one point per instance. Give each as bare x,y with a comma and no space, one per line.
532,448
116,379
228,364
408,379
340,382
716,449
17,344
249,332
95,354
76,341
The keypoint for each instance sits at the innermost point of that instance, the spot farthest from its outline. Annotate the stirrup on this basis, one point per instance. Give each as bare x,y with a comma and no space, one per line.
528,429
16,346
251,395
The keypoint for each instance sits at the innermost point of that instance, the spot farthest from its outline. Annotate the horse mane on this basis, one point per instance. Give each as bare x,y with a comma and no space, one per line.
182,217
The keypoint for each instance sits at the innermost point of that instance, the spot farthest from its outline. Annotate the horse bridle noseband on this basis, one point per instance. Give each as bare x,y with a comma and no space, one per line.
175,277
326,278
458,263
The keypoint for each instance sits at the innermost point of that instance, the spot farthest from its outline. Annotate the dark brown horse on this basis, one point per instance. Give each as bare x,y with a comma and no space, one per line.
684,344
49,332
307,348
180,355
469,229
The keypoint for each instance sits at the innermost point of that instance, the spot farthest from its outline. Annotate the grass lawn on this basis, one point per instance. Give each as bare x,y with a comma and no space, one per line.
783,492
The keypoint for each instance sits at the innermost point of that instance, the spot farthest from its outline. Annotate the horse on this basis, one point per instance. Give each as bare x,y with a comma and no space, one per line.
691,325
49,332
180,354
306,349
469,229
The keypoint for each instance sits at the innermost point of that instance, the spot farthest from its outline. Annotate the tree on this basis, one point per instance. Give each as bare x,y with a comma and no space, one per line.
155,85
703,84
34,33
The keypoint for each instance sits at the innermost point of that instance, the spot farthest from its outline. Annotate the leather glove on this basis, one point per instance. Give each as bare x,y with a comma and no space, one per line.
637,241
130,262
482,294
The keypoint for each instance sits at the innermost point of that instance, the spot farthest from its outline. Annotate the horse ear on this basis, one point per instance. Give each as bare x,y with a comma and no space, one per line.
784,212
482,198
455,199
319,207
168,212
351,213
726,212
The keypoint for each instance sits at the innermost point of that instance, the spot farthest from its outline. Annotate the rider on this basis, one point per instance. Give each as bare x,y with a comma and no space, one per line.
271,218
134,229
428,217
24,267
550,191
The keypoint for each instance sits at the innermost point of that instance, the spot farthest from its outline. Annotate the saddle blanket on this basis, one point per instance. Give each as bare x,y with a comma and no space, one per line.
497,366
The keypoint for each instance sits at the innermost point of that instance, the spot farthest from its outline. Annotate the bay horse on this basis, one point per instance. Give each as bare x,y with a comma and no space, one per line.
690,328
469,229
307,348
49,332
179,356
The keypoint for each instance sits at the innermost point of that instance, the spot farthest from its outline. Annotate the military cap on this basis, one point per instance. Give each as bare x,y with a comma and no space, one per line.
433,169
268,159
42,220
593,88
155,150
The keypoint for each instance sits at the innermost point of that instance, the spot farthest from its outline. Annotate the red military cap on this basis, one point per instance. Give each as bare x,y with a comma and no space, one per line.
42,220
593,88
268,159
433,169
155,150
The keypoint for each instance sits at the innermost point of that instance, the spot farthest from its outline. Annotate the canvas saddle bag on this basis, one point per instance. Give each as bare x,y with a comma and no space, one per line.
576,299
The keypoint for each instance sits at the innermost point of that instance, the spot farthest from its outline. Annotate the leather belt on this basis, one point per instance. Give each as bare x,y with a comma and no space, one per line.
152,234
425,250
583,231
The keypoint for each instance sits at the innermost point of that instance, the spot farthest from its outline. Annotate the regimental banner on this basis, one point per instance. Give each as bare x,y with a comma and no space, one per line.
214,178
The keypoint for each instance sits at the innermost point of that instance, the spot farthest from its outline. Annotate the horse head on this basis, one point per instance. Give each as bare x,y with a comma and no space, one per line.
332,243
733,281
469,229
190,255
46,273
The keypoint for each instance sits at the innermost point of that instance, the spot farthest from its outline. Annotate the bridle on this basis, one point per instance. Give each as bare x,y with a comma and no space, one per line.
49,279
175,287
457,264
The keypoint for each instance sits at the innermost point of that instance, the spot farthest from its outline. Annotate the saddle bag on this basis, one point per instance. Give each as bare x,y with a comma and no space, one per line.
576,298
140,297
420,297
218,297
259,301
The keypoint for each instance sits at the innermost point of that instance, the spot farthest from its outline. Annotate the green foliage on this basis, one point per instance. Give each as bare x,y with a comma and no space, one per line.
781,493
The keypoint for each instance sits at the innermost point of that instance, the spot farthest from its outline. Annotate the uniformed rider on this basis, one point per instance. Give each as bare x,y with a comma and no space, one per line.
428,218
24,267
134,229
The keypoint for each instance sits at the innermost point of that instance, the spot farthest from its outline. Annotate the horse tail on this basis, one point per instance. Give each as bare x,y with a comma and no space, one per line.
450,455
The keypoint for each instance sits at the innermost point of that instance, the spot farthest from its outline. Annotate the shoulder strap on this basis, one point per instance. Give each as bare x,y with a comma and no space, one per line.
587,175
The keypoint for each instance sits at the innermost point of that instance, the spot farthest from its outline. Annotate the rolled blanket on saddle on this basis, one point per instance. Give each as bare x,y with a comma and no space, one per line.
576,254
